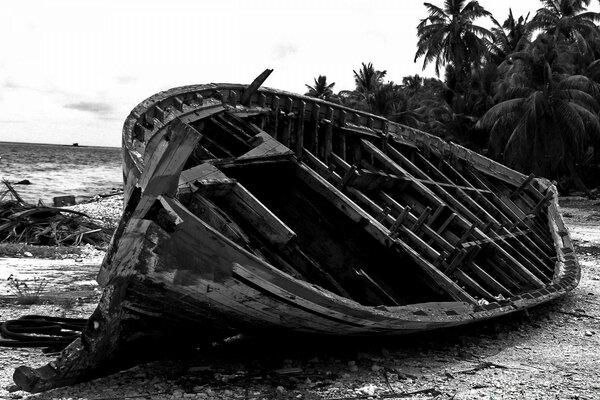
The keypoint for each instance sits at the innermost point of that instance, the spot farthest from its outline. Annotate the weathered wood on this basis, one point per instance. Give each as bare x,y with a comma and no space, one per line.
300,129
259,216
370,229
253,87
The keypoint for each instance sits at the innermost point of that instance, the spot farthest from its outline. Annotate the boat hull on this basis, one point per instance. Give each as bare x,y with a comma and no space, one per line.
255,209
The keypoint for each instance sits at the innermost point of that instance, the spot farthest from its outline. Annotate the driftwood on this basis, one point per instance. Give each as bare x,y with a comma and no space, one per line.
21,222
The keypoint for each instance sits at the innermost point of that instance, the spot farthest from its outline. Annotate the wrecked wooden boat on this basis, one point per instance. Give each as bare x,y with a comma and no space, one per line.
252,209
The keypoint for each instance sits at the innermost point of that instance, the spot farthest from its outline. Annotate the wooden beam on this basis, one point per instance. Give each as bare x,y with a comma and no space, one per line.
258,216
378,231
253,87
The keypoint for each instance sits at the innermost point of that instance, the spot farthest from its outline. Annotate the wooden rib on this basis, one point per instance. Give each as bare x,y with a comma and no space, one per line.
238,125
533,261
275,114
342,122
489,280
413,237
287,122
377,286
458,199
378,231
416,221
392,165
300,129
259,216
328,145
517,219
470,282
237,136
533,270
502,211
217,146
315,131
405,211
543,202
321,168
397,169
521,187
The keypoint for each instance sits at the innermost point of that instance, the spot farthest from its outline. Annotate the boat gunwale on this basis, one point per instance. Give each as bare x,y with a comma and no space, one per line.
567,271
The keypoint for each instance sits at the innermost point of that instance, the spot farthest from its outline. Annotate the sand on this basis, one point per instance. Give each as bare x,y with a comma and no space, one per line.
552,351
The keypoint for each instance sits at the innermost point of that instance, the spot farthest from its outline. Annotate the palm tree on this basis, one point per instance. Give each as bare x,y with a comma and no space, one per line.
513,35
321,88
566,18
569,21
368,82
368,79
448,36
547,120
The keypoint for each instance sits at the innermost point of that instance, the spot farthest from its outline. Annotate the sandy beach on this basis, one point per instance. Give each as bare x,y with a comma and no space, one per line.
551,351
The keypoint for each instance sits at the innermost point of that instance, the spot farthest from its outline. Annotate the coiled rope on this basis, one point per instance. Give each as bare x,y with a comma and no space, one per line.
40,331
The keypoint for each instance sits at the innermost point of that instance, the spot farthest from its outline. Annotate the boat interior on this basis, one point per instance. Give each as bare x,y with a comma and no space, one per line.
360,213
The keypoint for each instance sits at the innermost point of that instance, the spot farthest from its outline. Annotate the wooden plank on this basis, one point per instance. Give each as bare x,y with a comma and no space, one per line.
405,212
489,280
458,198
203,174
315,131
321,168
343,116
288,122
470,282
275,116
253,87
378,231
472,217
396,169
328,145
265,146
203,113
300,129
161,172
259,216
414,238
522,186
514,214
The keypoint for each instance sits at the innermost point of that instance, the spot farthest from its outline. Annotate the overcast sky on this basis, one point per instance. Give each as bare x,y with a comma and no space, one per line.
70,71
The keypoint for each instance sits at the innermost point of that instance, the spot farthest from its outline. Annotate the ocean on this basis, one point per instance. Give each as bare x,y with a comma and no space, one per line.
56,170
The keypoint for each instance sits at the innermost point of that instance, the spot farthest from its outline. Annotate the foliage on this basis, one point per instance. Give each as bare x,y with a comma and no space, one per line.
449,36
27,292
321,89
547,119
527,89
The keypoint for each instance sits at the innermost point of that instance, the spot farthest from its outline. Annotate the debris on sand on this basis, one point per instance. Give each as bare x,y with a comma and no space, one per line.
21,222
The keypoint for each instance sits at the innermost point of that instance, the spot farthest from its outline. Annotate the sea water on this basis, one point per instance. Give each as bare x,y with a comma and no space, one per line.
55,170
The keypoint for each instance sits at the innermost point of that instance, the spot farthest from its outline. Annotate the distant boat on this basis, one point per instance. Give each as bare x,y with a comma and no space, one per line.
75,145
253,209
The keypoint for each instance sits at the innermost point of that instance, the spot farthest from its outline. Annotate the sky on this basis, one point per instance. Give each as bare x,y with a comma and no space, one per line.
71,71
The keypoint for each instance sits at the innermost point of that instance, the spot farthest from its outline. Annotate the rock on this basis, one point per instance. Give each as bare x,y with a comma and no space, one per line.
368,389
27,254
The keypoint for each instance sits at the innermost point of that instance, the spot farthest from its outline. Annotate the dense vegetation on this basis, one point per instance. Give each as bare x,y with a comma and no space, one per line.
526,92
